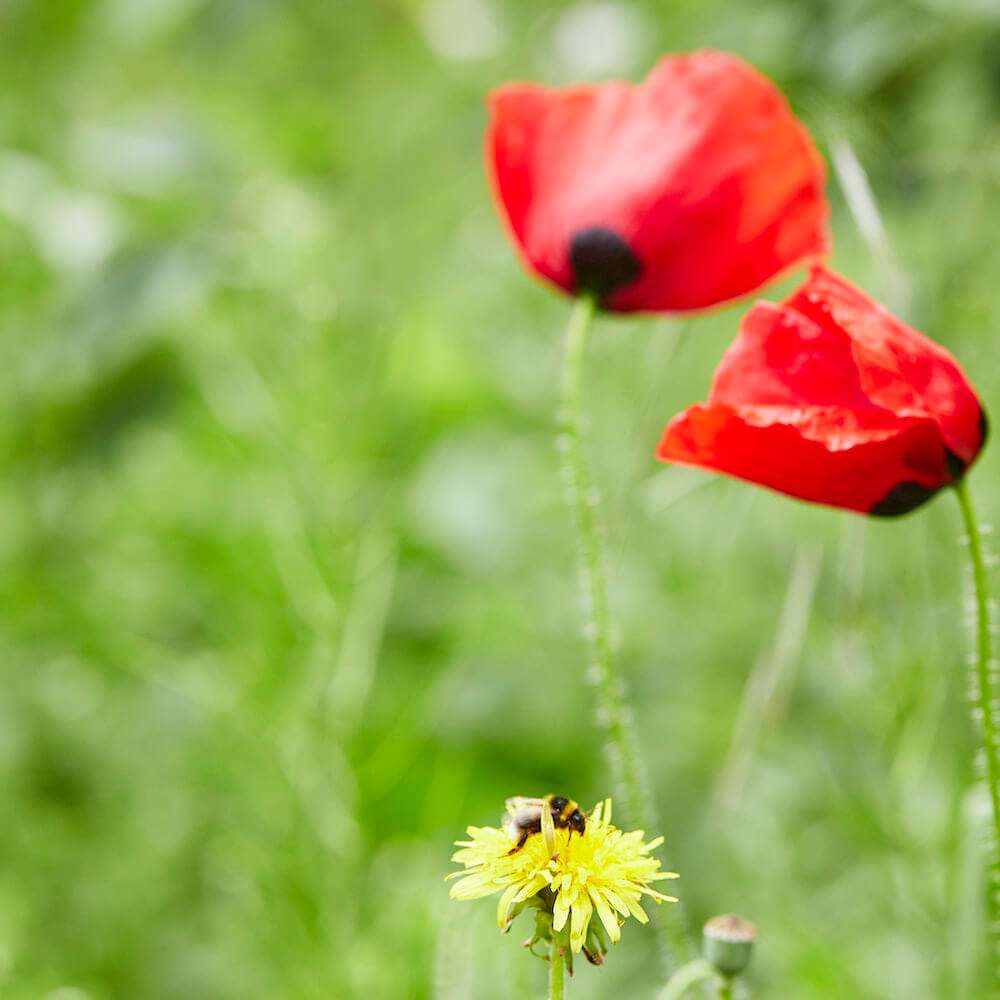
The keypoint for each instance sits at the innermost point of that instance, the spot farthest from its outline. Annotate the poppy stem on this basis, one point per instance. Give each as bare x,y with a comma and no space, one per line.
613,712
557,970
985,707
696,971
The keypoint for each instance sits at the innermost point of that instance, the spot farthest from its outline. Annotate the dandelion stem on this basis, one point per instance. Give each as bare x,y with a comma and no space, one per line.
557,970
985,708
614,714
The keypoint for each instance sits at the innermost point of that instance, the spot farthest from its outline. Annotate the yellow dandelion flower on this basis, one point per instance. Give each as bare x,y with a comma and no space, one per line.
568,874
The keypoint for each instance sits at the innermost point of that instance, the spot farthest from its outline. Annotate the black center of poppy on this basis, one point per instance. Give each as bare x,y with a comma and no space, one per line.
901,499
956,466
602,261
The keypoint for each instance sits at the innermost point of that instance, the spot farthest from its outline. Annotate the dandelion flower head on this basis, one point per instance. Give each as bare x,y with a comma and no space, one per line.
573,875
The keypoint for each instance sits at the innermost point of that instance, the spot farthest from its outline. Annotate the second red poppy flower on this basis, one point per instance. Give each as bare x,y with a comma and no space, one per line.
830,398
692,188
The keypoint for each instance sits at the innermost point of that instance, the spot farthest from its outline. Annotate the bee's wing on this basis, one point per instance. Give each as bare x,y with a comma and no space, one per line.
520,803
521,811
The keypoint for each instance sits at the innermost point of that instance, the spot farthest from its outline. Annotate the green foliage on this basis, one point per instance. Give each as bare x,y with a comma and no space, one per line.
288,586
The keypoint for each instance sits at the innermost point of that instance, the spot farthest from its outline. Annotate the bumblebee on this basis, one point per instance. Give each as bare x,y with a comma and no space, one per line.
526,816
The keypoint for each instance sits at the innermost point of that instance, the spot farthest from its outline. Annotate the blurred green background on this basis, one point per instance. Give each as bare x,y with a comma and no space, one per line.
288,587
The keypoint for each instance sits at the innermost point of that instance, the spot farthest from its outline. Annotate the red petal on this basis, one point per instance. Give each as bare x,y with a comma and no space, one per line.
782,358
702,171
898,367
829,398
802,458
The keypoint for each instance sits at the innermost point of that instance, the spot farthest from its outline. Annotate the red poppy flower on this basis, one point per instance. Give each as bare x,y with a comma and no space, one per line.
830,398
692,188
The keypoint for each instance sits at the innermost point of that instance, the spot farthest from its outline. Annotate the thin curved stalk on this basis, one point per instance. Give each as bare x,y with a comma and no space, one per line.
695,972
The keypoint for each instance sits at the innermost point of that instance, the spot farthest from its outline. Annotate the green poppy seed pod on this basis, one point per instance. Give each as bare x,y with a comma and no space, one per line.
728,943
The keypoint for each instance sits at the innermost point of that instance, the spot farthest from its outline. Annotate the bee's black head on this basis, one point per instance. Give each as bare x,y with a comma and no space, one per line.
577,821
558,803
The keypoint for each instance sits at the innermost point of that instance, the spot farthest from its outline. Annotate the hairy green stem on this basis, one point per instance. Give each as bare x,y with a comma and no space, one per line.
985,708
614,715
725,989
557,970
